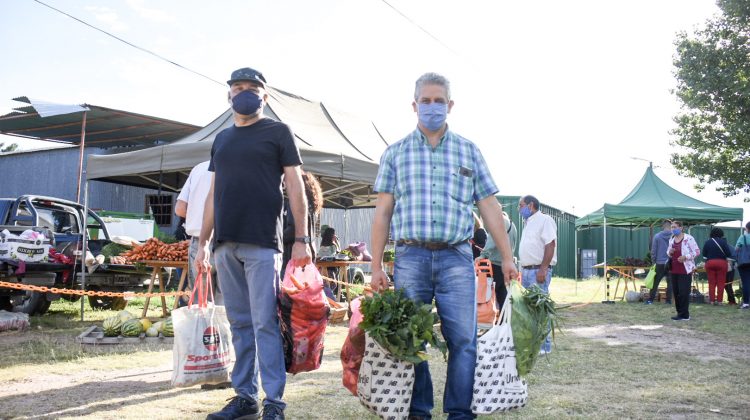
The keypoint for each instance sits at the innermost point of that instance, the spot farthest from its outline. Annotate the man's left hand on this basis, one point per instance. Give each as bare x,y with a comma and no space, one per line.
301,254
541,275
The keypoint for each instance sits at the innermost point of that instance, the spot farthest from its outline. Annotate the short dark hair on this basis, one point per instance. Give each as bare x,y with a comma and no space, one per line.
716,233
747,226
666,222
530,199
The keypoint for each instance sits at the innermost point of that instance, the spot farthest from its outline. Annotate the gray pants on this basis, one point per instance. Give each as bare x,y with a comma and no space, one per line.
192,252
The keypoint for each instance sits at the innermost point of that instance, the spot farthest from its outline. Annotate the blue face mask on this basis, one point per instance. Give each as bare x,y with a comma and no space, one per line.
525,212
432,116
246,102
676,232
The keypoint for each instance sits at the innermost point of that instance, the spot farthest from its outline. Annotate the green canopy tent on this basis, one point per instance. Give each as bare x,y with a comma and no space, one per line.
651,201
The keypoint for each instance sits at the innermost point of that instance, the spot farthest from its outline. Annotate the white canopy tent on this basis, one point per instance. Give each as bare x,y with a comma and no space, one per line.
342,149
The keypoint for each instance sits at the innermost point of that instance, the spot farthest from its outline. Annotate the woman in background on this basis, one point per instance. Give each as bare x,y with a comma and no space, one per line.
682,250
744,241
314,195
716,251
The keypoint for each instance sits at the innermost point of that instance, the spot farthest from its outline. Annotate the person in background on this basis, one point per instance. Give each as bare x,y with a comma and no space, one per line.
329,247
744,240
479,240
180,235
491,252
314,195
538,250
729,283
190,205
659,246
682,250
717,253
427,185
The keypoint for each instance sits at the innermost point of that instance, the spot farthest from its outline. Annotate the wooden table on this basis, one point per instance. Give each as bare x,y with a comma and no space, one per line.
344,272
626,273
157,267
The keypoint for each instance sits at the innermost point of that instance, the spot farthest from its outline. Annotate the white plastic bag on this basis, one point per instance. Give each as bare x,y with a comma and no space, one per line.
202,350
385,383
497,385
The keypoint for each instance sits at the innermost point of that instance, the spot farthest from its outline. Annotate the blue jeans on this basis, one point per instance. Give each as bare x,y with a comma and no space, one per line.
745,279
528,278
250,282
448,277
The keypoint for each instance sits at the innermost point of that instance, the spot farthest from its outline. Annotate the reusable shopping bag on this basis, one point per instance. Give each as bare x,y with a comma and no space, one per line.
650,277
486,308
353,350
743,254
303,312
202,349
385,383
497,384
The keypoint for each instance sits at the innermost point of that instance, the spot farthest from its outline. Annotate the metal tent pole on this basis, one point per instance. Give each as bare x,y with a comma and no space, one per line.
606,271
80,158
85,236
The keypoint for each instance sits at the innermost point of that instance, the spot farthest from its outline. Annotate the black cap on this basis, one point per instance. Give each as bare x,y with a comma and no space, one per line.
248,74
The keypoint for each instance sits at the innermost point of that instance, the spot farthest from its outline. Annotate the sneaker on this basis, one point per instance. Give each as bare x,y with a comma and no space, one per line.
543,352
211,387
745,306
649,302
238,408
272,412
685,319
676,318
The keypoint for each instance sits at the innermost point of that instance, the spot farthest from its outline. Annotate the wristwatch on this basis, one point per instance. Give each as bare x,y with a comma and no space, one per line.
303,239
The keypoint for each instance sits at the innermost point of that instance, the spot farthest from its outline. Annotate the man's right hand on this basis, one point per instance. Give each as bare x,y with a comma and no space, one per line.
201,263
379,280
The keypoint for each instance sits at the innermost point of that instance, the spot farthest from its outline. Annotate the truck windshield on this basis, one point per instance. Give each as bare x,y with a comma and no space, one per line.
58,220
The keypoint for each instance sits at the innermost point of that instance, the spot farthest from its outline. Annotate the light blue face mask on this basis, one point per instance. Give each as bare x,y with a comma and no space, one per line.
525,212
432,116
676,232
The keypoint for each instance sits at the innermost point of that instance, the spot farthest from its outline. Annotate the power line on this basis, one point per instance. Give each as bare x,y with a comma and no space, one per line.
421,28
130,43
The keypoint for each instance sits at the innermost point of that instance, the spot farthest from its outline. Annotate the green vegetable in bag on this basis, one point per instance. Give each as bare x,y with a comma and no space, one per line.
534,317
401,325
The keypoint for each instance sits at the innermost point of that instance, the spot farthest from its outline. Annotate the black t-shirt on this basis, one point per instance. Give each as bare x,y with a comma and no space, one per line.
248,163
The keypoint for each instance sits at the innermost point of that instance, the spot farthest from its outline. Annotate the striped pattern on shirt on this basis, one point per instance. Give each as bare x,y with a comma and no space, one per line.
434,189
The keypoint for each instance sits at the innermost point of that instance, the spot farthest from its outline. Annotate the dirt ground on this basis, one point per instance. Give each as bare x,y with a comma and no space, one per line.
664,339
73,390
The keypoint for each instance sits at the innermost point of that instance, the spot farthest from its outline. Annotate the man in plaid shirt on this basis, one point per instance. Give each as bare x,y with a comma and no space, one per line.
427,185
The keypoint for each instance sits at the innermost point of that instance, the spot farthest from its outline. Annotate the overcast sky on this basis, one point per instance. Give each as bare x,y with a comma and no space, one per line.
559,95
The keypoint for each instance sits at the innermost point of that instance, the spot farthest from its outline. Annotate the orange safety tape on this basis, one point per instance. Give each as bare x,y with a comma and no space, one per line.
43,289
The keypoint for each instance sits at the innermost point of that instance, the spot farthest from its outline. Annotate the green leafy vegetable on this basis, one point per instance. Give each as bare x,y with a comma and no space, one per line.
113,250
534,316
401,325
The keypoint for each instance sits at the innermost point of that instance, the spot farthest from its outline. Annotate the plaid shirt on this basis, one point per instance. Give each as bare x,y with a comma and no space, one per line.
434,189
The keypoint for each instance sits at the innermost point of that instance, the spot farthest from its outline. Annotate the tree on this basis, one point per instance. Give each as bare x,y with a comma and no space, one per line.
713,84
9,148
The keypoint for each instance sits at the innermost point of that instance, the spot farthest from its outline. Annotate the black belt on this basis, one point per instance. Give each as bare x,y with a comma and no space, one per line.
432,246
531,267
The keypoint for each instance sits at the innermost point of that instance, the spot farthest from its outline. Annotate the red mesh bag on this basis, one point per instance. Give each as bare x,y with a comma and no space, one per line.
303,311
353,349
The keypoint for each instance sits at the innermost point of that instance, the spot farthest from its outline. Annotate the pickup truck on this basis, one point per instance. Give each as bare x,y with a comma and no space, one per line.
63,222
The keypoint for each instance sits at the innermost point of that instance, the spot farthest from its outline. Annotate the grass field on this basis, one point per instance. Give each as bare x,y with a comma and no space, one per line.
626,360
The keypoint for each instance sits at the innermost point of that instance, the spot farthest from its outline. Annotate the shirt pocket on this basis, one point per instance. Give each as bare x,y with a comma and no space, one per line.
461,185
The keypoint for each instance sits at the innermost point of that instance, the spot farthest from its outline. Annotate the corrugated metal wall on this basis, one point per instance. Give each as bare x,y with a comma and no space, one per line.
54,173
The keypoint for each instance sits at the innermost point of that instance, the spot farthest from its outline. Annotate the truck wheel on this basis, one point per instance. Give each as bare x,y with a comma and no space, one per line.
5,304
29,302
44,307
103,302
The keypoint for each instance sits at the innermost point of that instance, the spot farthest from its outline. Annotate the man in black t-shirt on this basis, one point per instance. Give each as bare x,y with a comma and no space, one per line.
249,161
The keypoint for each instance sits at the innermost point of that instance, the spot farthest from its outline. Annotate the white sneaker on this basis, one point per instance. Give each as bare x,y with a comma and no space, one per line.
543,352
745,306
